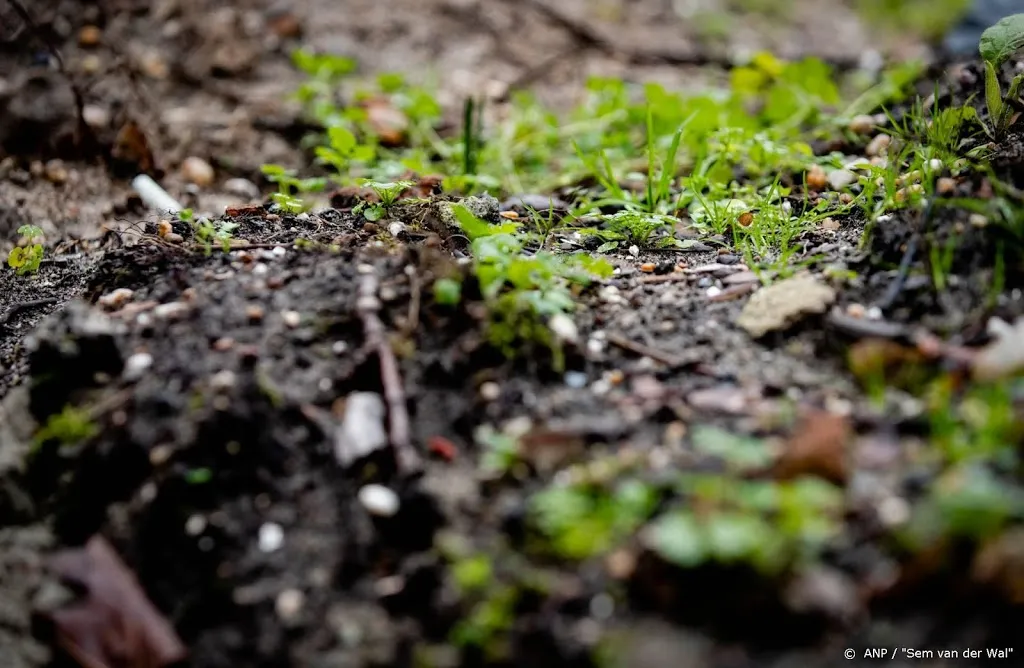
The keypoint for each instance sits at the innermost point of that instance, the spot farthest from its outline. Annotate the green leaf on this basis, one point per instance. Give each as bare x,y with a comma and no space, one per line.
993,95
342,140
607,246
678,539
1002,40
16,258
739,451
447,291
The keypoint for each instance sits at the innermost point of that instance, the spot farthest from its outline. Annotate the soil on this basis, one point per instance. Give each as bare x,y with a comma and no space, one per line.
214,377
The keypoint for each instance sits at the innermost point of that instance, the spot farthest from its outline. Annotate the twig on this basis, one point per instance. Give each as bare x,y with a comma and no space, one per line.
368,308
896,287
20,306
665,358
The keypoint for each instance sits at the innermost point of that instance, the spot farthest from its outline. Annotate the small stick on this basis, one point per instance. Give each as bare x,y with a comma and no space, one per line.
368,308
412,321
32,303
645,351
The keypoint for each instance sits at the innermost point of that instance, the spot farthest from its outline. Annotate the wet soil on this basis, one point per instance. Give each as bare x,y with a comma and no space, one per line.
217,383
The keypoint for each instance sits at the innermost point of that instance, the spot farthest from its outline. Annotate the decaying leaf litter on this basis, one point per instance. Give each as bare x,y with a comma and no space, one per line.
730,376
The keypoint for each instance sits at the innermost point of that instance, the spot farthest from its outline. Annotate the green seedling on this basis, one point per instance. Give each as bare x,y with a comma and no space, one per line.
387,193
26,259
998,44
447,291
208,233
289,187
69,427
186,215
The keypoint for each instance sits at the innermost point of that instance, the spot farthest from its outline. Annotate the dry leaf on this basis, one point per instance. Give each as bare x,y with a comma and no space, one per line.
114,625
817,447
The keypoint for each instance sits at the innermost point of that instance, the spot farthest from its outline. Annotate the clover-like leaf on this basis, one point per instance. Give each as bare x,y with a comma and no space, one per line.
1002,40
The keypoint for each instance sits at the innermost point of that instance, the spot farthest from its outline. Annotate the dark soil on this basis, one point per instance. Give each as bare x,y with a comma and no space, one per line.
217,387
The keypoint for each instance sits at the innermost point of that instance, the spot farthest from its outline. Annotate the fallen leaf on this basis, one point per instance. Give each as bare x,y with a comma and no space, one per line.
389,123
132,146
817,447
781,304
114,624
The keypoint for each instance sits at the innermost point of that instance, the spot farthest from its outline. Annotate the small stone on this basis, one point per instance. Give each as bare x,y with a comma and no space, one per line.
136,365
223,344
198,171
634,250
648,267
396,229
115,299
894,511
781,304
576,379
55,172
564,328
379,500
154,65
945,186
222,381
288,605
816,177
490,391
841,178
863,124
243,188
254,312
977,220
195,525
291,319
509,215
271,537
935,164
856,311
89,36
96,117
90,64
878,145
362,431
174,238
171,311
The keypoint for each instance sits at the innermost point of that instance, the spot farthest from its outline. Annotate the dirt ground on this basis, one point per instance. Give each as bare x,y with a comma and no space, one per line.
215,377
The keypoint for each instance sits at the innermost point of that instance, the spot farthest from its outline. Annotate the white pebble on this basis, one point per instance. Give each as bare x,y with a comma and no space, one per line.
291,318
379,500
339,347
714,291
271,537
576,379
279,251
288,605
222,380
116,299
396,228
260,269
634,250
195,525
136,365
564,328
171,311
490,391
840,178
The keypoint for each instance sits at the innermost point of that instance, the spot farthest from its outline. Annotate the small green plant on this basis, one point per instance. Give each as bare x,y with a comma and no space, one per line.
447,291
26,259
208,232
524,293
289,187
387,193
998,44
69,427
186,215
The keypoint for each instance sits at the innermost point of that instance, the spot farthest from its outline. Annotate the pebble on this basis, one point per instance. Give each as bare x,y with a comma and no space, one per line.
288,605
136,365
291,318
595,346
862,124
945,186
254,312
89,36
379,500
222,380
396,228
174,238
279,251
977,220
841,178
634,250
271,537
223,344
490,391
648,267
576,379
116,299
830,224
878,145
817,179
195,525
198,171
564,328
171,310
240,187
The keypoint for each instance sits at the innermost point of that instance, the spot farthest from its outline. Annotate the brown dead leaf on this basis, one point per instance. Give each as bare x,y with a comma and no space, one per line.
817,447
389,123
114,625
132,146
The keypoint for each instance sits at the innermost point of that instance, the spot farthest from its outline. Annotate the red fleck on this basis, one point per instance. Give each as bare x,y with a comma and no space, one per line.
442,447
